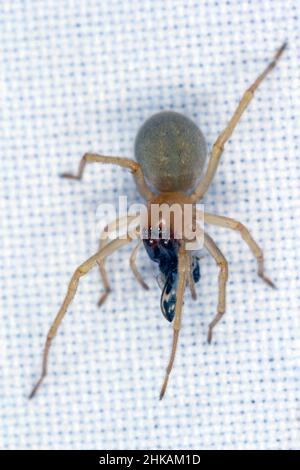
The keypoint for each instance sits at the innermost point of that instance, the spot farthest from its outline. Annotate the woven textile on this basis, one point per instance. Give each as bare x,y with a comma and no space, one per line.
80,76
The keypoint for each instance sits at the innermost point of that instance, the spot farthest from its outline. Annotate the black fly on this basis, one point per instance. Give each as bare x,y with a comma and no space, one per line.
165,253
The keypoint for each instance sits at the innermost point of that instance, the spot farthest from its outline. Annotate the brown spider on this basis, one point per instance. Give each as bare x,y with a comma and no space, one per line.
170,151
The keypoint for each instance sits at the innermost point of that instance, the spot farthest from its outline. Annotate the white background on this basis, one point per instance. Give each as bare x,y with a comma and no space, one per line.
81,76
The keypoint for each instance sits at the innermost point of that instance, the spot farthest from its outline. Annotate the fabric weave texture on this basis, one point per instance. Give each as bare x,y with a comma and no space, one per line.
80,76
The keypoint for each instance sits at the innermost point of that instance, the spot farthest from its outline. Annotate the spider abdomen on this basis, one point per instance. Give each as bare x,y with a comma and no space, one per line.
171,150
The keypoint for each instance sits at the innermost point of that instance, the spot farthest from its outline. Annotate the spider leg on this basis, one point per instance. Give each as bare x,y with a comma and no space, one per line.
134,268
223,276
183,260
105,282
218,146
79,272
232,224
104,239
131,165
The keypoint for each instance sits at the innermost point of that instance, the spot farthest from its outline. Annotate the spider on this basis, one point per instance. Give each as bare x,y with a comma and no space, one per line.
170,154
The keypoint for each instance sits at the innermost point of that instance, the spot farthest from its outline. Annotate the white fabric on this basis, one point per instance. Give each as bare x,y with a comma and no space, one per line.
81,76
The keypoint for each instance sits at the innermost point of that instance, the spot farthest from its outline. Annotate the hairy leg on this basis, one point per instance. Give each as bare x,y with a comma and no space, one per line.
79,272
183,260
223,276
232,224
131,165
104,239
134,268
218,146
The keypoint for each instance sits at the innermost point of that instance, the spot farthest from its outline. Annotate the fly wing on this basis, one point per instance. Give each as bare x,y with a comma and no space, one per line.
168,296
195,268
161,280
